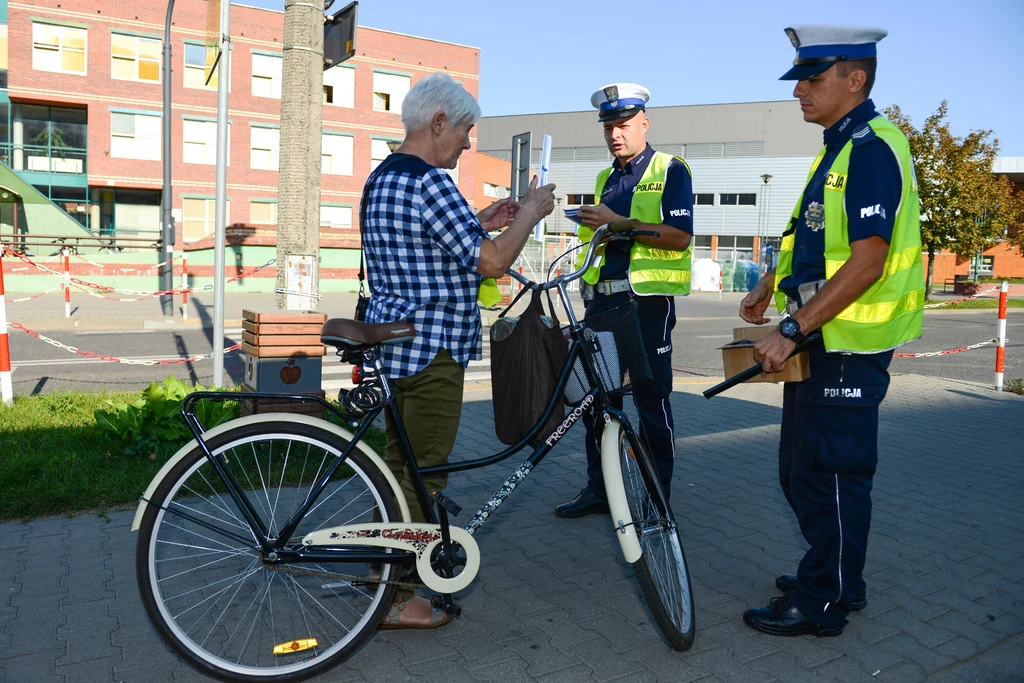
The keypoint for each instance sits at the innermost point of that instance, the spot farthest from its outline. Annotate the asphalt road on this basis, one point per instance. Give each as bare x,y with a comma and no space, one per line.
704,324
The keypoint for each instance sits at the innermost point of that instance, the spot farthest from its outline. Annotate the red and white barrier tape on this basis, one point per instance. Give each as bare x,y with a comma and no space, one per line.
946,352
143,294
128,270
957,301
115,359
36,296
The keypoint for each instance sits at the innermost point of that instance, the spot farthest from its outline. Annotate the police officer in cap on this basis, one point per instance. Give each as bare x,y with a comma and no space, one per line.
655,189
849,266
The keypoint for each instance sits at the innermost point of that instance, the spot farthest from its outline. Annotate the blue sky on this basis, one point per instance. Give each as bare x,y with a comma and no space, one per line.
714,51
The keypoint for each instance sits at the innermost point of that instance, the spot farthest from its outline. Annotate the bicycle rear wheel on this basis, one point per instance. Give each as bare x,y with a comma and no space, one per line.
202,576
661,569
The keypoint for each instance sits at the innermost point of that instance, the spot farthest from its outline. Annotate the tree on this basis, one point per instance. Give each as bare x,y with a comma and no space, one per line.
964,207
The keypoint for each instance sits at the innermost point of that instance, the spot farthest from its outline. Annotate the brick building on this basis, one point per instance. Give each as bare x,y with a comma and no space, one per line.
80,121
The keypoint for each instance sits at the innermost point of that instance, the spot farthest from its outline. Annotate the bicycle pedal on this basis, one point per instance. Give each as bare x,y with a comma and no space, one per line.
447,503
446,603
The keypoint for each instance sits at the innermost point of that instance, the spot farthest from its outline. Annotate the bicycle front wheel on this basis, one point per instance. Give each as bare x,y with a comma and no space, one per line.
202,575
661,569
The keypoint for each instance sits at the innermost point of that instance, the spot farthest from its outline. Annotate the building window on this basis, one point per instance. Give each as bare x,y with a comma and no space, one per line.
701,246
704,199
134,59
380,149
732,248
195,68
340,87
732,199
263,213
264,150
336,154
335,216
58,48
495,191
48,139
389,91
199,140
135,136
579,200
198,217
266,76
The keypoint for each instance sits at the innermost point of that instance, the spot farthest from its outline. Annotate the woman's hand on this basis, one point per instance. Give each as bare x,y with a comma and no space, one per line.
499,214
756,302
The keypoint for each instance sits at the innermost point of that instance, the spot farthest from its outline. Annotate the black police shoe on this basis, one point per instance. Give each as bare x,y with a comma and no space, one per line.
787,582
779,618
586,503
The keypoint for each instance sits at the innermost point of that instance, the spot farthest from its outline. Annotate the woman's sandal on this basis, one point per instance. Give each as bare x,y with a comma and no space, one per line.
393,620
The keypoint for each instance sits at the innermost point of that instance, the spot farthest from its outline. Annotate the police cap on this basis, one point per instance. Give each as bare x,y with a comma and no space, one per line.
819,47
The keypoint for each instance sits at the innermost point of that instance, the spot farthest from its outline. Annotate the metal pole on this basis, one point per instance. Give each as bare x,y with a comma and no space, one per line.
223,69
167,224
6,387
1001,336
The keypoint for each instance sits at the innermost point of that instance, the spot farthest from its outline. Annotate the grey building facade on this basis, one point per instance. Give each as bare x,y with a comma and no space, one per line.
729,148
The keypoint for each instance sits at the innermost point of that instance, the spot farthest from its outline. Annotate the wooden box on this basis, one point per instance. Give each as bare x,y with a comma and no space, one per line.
738,355
255,406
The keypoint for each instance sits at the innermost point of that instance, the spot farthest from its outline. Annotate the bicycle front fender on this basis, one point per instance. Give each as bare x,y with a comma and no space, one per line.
622,519
265,417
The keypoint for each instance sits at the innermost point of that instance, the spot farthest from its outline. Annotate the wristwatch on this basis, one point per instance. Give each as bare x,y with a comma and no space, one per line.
790,329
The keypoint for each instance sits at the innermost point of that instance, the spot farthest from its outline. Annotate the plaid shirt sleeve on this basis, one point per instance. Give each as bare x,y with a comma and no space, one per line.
449,220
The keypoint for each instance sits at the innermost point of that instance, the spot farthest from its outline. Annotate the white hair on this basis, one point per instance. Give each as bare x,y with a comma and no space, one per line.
438,93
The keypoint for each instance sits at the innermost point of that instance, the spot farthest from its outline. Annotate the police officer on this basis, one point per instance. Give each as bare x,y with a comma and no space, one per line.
849,266
655,189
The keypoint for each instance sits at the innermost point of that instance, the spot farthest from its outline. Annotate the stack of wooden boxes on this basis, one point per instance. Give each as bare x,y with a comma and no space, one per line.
283,355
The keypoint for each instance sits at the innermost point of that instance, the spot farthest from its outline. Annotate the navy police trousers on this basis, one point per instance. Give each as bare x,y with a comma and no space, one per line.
827,458
657,316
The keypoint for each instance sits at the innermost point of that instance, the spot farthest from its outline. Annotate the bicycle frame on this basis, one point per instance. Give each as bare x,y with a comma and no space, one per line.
596,401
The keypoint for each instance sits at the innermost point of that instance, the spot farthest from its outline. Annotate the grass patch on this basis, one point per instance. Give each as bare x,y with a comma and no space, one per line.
56,460
1015,386
997,280
979,303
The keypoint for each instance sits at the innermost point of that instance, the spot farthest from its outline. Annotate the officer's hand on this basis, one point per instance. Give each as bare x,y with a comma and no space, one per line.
772,352
539,201
596,216
756,302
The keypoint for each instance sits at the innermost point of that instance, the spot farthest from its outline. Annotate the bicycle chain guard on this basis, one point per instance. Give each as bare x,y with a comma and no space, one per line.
419,539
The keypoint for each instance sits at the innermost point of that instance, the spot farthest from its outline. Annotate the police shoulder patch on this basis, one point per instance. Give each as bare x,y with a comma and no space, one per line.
863,134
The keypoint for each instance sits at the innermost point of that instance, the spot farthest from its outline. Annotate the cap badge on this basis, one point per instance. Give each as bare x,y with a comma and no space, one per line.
793,38
612,93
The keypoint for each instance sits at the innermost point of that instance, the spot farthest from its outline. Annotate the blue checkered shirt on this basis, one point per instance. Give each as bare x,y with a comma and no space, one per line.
422,244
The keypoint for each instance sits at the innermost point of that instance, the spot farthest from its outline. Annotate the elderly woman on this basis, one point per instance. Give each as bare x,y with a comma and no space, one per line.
427,255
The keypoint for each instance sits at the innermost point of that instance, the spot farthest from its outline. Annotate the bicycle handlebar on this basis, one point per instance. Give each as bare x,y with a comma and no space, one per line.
624,228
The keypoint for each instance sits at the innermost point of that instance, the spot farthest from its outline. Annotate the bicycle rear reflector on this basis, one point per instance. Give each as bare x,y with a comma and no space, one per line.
295,646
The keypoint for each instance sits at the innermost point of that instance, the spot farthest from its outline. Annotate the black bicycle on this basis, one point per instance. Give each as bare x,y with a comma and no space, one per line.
272,546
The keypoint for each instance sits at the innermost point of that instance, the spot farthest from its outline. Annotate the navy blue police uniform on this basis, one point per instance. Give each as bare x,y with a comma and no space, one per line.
657,314
830,421
828,448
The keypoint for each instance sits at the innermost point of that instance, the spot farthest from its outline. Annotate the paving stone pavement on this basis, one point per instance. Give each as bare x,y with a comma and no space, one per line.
556,602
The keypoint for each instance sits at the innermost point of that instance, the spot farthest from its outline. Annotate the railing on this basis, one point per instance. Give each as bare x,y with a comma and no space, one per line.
44,158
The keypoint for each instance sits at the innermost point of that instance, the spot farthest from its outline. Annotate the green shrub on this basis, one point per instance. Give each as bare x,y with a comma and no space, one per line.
1015,386
155,418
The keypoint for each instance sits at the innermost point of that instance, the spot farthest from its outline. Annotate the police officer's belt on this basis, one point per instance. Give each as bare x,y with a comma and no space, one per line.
612,286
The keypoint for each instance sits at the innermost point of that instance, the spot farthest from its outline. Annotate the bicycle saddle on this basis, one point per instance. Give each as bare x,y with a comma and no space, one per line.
343,332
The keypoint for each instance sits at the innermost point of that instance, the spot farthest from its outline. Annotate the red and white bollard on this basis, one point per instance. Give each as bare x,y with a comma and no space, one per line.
1001,336
6,389
719,283
67,281
184,286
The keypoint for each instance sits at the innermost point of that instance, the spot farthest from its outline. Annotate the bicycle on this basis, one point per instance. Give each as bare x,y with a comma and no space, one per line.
272,546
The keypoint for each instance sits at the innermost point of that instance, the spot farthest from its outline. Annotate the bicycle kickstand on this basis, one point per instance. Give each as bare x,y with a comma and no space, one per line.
447,559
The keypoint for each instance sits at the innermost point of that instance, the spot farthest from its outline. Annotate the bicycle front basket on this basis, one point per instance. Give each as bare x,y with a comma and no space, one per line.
620,360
